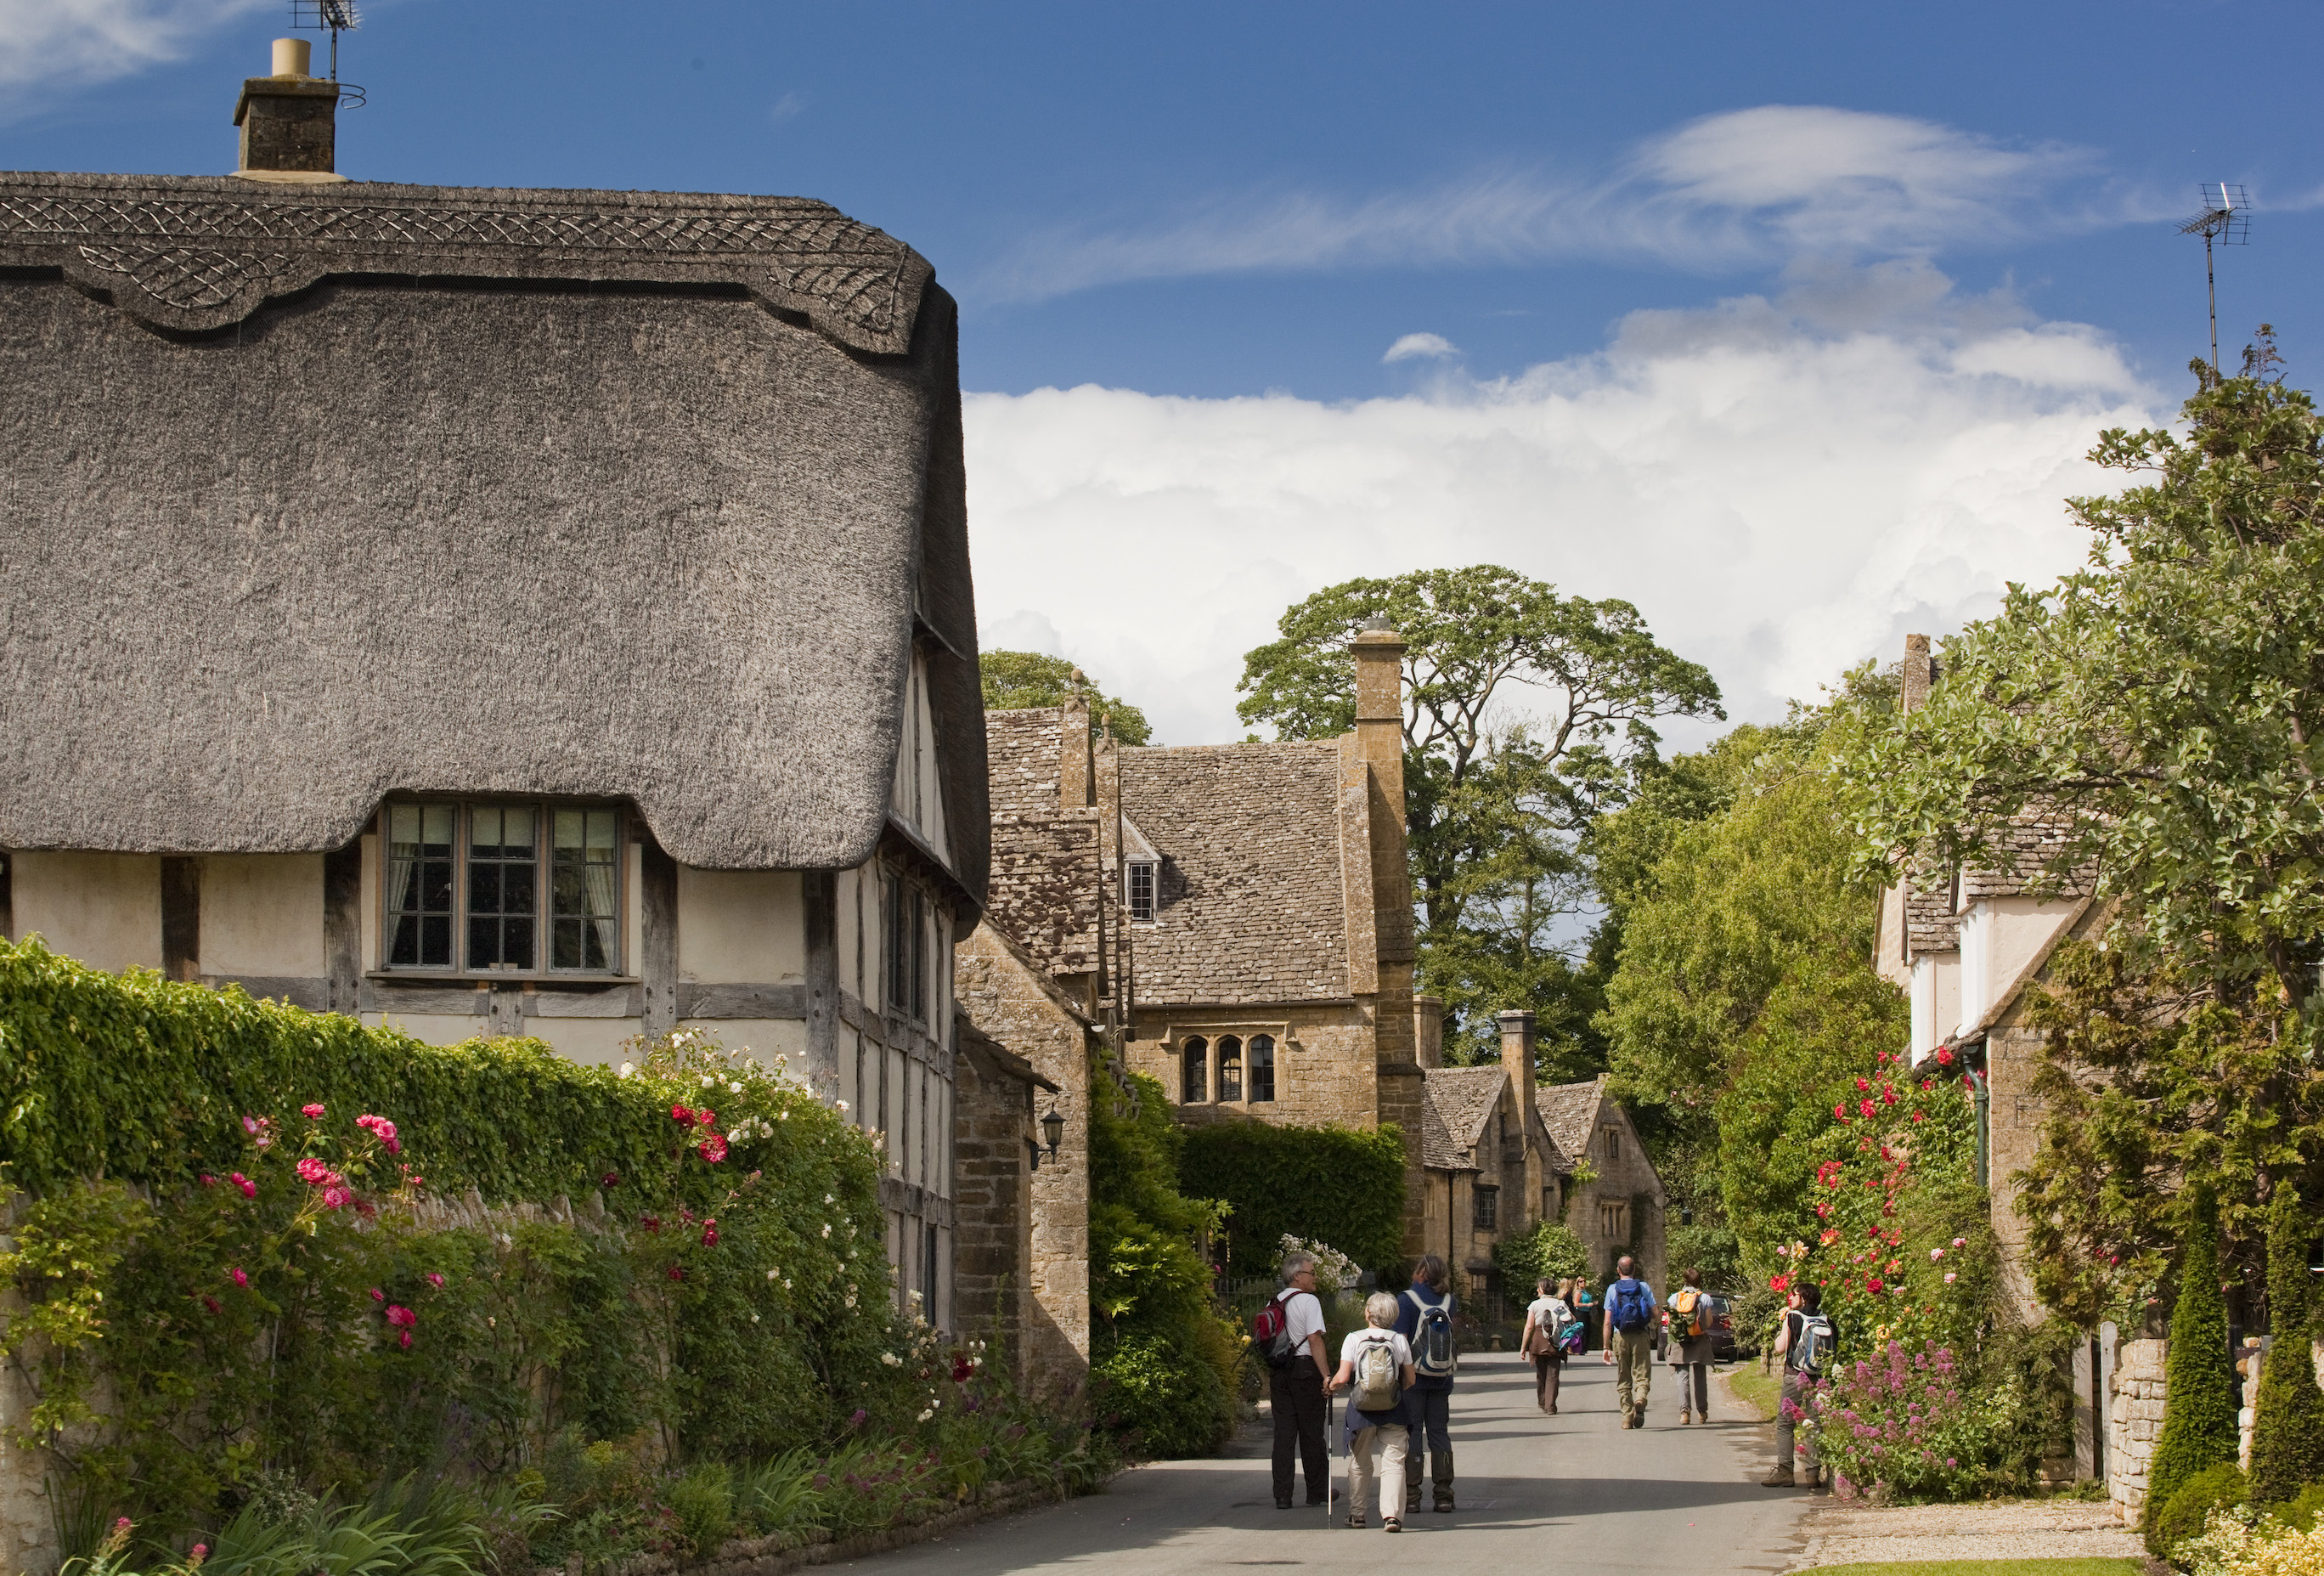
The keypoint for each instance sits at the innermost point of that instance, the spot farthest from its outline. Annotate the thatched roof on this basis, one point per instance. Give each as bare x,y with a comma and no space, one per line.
318,492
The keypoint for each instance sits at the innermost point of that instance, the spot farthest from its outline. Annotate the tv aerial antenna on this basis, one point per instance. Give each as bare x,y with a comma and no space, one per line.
2226,220
339,16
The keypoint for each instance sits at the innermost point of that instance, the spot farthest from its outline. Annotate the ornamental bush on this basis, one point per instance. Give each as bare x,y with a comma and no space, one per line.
1550,1252
2288,1422
236,1261
2198,1408
1330,1184
1903,1418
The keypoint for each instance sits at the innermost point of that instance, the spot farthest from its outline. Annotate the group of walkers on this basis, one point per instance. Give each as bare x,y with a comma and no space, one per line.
1397,1372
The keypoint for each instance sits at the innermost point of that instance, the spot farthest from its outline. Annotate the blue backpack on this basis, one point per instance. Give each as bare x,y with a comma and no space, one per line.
1632,1305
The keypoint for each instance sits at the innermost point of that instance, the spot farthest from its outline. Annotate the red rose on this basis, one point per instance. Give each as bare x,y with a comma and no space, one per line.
678,1113
1944,1059
677,1272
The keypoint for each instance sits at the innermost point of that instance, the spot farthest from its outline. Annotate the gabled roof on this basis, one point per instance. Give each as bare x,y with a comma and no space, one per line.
1569,1112
639,495
1251,905
1465,1098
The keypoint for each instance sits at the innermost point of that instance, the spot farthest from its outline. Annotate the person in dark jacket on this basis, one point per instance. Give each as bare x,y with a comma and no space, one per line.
1431,1397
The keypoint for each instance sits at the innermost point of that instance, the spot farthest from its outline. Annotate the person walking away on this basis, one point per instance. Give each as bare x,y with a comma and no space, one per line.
1630,1341
1692,1334
1805,1344
1546,1317
1585,1304
1296,1388
1424,1317
1375,1369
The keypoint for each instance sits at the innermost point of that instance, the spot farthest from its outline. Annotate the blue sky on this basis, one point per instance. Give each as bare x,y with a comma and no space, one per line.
1786,323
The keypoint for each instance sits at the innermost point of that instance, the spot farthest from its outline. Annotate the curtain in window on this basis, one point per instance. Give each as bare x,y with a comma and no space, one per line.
419,886
586,890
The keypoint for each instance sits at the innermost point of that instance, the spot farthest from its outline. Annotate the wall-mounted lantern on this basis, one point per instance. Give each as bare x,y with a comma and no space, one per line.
1053,1127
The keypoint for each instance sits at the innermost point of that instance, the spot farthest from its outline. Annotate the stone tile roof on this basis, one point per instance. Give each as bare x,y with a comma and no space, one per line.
2027,844
1437,1150
1930,923
1250,905
1465,1097
1569,1112
1045,888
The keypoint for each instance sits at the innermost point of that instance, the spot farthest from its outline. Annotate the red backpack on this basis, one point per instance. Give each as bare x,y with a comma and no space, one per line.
1270,1335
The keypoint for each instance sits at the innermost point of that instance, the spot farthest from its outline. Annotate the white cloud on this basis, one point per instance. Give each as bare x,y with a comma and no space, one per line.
1747,187
47,45
1782,489
1425,346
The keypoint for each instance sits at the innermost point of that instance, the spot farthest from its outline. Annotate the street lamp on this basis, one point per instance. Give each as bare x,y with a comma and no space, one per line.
1053,1127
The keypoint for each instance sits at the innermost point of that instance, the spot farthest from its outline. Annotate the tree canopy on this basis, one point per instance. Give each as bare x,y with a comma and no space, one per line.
1524,712
1018,680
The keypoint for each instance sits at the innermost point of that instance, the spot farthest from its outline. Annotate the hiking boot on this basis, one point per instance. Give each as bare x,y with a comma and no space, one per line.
1444,1498
1781,1477
1412,1496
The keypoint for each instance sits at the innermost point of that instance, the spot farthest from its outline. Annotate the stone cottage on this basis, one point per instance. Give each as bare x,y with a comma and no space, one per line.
498,611
1233,920
1491,1169
1614,1199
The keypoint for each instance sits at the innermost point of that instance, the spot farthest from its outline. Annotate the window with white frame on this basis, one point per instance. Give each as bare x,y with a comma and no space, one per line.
500,887
1142,888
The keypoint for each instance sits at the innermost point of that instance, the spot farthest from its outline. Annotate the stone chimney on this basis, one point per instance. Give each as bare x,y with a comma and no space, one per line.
1516,1049
289,121
1428,1030
1920,672
1380,706
1076,787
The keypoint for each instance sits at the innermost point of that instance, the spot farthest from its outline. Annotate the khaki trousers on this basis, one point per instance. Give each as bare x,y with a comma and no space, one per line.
1390,1442
1634,1370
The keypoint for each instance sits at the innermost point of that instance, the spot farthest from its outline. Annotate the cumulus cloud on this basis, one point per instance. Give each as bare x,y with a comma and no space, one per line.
1782,488
46,44
1420,346
1748,188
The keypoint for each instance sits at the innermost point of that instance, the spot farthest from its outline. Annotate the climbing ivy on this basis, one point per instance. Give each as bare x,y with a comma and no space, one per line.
1329,1184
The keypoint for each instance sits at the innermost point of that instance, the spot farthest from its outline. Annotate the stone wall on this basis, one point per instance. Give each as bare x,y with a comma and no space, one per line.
2134,1422
992,1202
1007,999
1327,1061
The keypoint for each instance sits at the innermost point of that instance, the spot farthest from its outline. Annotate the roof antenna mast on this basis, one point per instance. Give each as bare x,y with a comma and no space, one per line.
339,16
2225,218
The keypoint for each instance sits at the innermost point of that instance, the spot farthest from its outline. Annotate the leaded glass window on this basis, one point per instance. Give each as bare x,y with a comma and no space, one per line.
1142,888
1230,1067
585,889
1262,1067
503,885
420,842
1195,1082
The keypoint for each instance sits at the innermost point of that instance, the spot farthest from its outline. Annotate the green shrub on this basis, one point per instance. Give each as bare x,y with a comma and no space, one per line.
1330,1184
2288,1425
704,1499
2300,1512
1549,1251
1167,1401
2182,1516
2198,1408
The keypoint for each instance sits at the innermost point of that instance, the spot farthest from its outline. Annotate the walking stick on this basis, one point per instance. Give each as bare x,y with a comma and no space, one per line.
1331,1490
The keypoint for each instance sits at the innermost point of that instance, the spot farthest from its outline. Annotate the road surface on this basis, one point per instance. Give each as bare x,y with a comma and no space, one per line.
1576,1492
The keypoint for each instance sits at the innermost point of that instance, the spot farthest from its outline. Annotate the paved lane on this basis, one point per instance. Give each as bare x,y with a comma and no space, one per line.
1577,1491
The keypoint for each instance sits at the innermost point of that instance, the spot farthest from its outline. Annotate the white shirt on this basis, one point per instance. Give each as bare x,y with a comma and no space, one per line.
1303,1315
1550,1313
1355,1339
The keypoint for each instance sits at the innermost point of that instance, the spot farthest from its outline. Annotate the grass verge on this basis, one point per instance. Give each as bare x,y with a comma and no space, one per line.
2082,1567
1755,1389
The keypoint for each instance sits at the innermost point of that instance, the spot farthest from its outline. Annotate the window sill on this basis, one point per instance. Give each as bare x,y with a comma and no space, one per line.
535,981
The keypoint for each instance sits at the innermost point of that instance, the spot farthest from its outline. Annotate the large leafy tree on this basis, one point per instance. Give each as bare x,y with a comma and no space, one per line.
2161,713
1016,680
1523,711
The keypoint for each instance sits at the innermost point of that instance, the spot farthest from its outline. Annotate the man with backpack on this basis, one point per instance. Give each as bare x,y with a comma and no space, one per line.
1424,1317
1630,1341
1692,1334
1805,1344
1289,1335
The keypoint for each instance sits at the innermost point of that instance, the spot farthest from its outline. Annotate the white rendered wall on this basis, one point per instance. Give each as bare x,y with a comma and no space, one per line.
262,916
102,909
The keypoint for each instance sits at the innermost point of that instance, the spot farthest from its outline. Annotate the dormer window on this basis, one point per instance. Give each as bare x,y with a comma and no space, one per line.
1142,888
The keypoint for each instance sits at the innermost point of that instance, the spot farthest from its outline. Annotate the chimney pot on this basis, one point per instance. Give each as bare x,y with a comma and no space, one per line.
289,121
292,56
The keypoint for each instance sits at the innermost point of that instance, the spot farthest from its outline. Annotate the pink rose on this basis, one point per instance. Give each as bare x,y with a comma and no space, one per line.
435,1280
336,1197
406,1342
209,1181
213,1304
710,1233
313,1172
378,1296
711,1148
313,1113
237,1276
249,1188
402,1317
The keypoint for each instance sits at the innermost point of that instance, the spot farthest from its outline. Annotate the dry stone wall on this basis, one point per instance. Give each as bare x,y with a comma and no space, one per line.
2134,1422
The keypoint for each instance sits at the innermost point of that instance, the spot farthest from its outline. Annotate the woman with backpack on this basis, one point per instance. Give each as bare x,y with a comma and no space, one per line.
1376,1370
1692,1334
1424,1317
1546,1317
1805,1345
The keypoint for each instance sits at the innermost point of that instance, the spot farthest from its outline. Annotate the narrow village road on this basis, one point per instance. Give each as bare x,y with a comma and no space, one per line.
1575,1493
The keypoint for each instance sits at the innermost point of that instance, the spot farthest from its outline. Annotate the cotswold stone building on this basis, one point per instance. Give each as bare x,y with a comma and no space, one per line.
1236,919
498,611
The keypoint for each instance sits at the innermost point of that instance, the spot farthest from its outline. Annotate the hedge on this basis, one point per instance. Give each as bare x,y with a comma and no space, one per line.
1329,1184
135,1077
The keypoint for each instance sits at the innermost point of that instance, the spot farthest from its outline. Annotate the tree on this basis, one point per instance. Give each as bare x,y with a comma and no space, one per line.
2198,1408
1016,680
2158,715
2288,1428
1496,794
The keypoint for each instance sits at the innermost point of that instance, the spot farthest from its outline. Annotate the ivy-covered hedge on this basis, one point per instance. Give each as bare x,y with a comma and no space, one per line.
1328,1184
134,1077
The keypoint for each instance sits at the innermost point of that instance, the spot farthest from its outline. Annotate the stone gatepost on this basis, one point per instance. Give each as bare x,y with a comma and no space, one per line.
2134,1422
